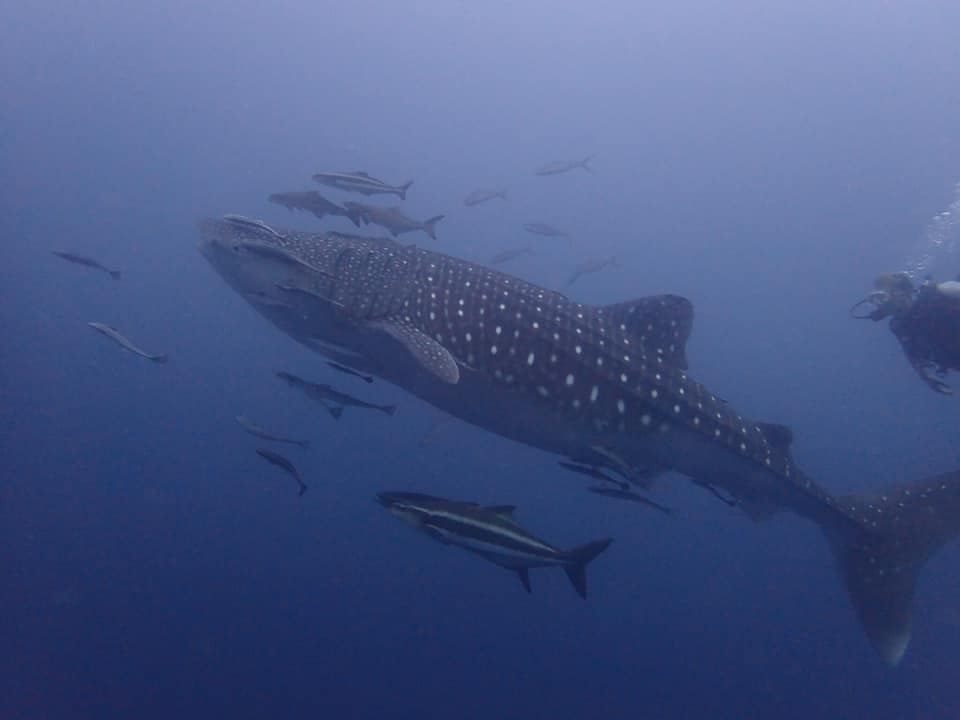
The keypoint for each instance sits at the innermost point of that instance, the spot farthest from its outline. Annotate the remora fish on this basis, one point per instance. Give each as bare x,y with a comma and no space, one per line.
86,262
493,534
590,266
566,377
594,473
506,255
119,339
543,229
562,166
327,394
392,218
281,462
347,371
314,202
361,182
481,196
254,429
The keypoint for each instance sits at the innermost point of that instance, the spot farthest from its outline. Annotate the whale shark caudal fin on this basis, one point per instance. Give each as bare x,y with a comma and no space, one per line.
577,561
661,323
880,559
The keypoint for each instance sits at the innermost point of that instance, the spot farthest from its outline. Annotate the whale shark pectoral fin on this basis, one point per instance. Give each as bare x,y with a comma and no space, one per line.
661,323
430,354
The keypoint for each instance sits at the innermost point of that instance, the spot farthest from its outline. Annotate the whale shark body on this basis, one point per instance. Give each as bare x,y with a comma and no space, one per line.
602,385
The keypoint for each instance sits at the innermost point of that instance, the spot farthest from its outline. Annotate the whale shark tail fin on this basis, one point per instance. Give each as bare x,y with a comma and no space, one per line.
896,533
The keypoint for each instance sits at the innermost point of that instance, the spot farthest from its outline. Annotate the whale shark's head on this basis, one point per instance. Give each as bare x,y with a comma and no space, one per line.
247,255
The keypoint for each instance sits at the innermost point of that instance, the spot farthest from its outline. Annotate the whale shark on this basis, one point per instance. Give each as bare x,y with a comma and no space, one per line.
605,386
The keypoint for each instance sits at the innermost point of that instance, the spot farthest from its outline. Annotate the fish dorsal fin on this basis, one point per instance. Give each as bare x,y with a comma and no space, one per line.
661,323
430,354
777,436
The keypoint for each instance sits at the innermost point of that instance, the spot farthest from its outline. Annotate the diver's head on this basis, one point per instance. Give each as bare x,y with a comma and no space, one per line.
893,295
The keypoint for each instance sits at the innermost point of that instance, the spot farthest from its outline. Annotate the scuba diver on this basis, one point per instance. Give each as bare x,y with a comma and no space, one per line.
926,321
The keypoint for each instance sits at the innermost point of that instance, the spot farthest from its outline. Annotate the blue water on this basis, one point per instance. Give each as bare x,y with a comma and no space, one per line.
764,160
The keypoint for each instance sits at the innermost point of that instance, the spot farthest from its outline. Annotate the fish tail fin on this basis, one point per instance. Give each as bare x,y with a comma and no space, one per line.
303,489
880,559
305,444
115,274
161,359
585,163
577,561
336,411
389,409
503,193
429,225
404,188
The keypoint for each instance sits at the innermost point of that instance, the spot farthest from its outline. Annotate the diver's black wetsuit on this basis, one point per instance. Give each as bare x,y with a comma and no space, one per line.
929,332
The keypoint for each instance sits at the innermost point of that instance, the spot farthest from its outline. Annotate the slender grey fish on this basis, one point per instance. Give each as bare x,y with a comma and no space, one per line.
349,371
281,462
507,255
562,166
392,218
360,182
314,202
543,229
629,495
254,429
86,262
590,266
326,394
123,342
492,533
481,196
594,473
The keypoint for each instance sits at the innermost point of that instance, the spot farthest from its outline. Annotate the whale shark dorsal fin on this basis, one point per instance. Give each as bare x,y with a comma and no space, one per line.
778,436
430,354
661,323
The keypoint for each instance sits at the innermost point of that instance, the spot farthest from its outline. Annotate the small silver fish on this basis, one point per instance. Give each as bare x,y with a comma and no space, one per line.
123,342
481,196
562,166
590,266
538,228
282,462
507,255
254,429
86,262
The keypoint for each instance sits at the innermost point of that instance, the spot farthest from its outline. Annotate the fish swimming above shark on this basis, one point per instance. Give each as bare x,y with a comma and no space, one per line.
511,254
86,262
121,340
314,202
392,219
492,533
539,228
590,266
604,385
562,166
360,182
482,196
